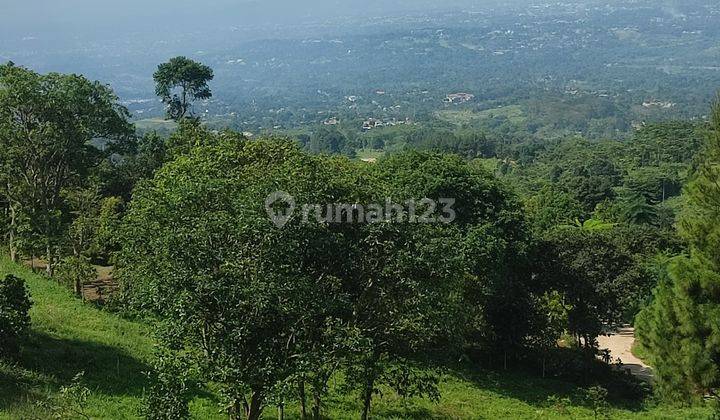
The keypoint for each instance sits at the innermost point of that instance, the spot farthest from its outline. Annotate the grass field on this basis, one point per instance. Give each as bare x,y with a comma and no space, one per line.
69,337
150,124
513,113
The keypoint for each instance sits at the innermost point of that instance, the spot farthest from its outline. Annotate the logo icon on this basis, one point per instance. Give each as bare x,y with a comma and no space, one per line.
280,207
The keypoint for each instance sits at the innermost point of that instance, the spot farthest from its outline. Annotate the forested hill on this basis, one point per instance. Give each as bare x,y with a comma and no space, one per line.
426,210
275,273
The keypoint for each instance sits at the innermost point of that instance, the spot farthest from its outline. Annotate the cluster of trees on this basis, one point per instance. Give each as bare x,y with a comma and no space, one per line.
636,182
272,314
54,130
69,159
680,329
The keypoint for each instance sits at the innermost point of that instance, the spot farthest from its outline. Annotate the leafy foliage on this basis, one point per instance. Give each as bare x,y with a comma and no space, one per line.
14,315
680,329
47,127
189,77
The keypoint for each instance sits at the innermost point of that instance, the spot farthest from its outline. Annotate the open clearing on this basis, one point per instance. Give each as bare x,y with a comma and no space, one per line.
512,113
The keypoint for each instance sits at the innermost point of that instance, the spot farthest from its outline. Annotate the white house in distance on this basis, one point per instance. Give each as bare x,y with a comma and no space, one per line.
458,98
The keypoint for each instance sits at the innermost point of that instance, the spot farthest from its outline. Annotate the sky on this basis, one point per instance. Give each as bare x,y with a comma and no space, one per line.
67,16
59,20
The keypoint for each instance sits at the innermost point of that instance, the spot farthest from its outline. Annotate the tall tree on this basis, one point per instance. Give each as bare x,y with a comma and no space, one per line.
201,252
421,287
181,81
681,329
48,126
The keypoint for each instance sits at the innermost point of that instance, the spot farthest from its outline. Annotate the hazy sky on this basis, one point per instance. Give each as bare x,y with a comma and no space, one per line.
63,19
28,16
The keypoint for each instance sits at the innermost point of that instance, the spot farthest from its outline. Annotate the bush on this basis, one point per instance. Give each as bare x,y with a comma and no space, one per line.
14,315
596,397
168,397
75,272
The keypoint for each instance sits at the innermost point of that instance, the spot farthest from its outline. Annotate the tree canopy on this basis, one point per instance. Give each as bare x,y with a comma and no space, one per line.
180,82
52,131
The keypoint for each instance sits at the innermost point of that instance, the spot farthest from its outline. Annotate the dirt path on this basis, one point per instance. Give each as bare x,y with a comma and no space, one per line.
98,290
620,346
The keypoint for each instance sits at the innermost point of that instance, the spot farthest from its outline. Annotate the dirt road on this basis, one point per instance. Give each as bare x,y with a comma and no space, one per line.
620,345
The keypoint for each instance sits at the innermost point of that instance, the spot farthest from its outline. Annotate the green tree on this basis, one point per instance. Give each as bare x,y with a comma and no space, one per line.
485,256
48,124
180,82
331,141
168,397
83,204
551,208
681,329
189,135
406,301
107,231
593,274
200,251
139,160
75,272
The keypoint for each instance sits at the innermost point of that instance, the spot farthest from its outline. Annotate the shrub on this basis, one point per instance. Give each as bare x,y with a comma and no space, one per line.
73,399
168,398
75,272
14,315
597,399
559,404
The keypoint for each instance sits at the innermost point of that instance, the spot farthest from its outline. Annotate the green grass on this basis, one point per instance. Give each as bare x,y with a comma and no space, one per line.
462,117
150,124
69,337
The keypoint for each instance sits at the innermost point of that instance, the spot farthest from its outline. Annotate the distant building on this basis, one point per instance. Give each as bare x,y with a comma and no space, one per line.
371,123
331,121
458,98
658,104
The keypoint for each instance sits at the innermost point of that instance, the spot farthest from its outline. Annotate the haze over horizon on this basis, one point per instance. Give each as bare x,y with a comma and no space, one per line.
79,16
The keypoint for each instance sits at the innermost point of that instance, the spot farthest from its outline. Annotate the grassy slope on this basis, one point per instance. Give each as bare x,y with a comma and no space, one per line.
514,113
69,337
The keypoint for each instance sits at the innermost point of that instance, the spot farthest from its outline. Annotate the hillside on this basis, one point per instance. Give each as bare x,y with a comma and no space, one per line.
70,337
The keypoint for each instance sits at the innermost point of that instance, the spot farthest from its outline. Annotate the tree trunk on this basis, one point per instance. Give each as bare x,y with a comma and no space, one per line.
316,406
11,239
253,411
79,288
303,399
281,412
371,376
236,410
367,400
49,257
